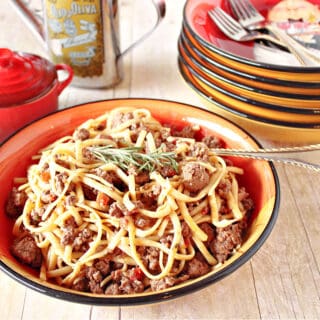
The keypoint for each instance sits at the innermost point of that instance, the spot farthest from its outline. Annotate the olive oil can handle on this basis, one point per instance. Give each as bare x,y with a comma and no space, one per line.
160,6
32,17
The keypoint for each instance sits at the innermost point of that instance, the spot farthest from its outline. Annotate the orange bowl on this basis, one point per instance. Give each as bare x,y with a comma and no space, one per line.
260,180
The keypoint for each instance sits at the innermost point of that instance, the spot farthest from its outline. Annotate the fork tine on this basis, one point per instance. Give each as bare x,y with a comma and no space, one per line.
227,24
238,10
220,24
229,20
246,12
251,7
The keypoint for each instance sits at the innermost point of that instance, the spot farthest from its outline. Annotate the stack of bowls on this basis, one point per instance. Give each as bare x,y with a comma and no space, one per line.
279,102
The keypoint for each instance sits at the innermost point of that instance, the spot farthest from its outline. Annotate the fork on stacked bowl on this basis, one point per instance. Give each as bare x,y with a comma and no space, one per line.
259,84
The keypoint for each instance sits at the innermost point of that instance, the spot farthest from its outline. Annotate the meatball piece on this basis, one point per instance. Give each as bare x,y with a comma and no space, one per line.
197,266
26,251
195,177
226,240
15,203
82,134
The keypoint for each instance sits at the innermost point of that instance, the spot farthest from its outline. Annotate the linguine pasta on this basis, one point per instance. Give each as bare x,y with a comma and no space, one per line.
125,205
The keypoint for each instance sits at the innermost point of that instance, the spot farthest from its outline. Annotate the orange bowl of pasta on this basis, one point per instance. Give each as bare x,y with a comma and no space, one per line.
123,202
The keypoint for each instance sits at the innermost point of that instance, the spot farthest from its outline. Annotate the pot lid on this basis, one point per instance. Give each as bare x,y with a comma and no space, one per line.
23,77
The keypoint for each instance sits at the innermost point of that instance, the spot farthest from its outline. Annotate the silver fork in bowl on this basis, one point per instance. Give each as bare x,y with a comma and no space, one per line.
250,18
232,29
287,155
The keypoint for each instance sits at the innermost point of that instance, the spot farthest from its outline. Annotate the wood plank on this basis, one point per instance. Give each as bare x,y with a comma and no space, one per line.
39,306
231,298
283,269
103,313
12,297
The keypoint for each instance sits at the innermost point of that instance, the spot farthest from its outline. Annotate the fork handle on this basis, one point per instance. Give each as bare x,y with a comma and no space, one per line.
283,155
305,57
271,39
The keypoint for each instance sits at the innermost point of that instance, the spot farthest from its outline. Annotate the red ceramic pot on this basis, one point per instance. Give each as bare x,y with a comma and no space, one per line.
29,89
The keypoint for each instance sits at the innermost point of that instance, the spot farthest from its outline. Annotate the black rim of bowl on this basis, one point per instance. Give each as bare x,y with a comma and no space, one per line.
244,60
247,75
173,293
238,113
182,47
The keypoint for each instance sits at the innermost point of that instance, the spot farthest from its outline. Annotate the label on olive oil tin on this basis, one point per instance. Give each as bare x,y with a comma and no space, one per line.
75,35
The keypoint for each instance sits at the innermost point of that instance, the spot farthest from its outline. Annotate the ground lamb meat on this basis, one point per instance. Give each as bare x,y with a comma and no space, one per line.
82,134
185,230
117,210
207,228
113,289
81,284
94,277
26,251
140,177
167,240
226,240
82,239
109,176
200,151
212,142
101,126
150,257
224,188
246,203
186,132
88,156
104,266
128,286
167,282
89,193
197,266
161,284
91,277
60,181
195,177
149,197
167,171
69,231
143,222
36,215
15,203
62,163
127,282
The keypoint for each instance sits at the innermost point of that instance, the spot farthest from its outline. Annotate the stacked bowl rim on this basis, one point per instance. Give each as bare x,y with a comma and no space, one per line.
198,83
299,99
243,60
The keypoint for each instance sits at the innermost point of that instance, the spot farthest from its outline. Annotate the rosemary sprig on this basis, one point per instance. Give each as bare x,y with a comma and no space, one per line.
132,156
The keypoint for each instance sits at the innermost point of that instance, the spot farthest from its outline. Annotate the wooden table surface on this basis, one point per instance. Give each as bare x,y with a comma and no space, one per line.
281,281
